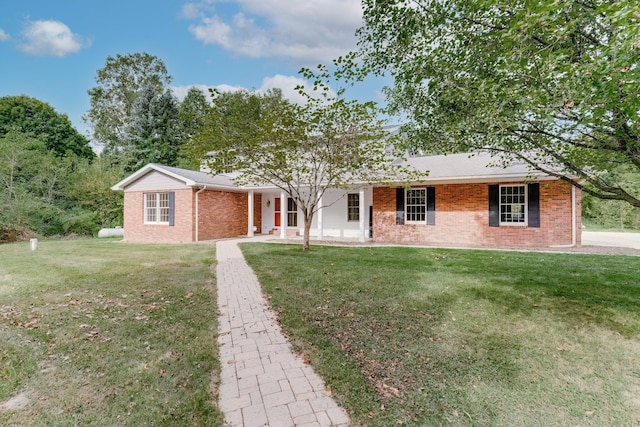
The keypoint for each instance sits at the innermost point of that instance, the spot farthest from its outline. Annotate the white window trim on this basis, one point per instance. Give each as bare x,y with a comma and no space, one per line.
406,204
526,206
157,208
295,213
356,206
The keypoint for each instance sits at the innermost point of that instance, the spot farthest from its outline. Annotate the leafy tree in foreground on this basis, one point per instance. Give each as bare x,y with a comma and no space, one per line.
32,116
304,149
119,83
552,83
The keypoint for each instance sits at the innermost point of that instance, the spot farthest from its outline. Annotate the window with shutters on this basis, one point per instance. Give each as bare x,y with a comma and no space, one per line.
156,208
513,205
416,205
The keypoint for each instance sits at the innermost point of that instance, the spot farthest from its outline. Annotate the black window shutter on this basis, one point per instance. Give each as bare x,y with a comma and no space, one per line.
533,210
431,205
400,205
172,208
494,206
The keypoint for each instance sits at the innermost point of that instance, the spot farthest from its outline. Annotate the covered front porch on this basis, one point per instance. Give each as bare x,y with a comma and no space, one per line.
344,214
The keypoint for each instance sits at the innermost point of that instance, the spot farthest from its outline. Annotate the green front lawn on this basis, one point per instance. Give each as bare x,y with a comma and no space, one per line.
452,337
100,333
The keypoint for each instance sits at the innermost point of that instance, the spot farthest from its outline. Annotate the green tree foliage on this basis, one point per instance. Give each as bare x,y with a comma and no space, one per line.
231,117
94,203
45,194
154,133
304,150
119,83
613,214
39,119
193,113
31,179
552,83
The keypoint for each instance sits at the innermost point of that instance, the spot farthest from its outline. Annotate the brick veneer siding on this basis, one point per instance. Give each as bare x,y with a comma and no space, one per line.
223,214
135,230
462,219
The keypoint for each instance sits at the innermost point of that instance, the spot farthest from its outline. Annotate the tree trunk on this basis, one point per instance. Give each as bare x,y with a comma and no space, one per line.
307,227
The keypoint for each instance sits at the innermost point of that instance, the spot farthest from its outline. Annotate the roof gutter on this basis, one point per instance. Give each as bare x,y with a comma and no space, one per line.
204,187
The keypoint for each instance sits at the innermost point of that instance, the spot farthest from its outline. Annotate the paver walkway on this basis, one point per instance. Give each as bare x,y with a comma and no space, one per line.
262,382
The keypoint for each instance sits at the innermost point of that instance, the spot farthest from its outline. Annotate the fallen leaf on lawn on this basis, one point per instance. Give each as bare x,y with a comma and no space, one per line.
189,295
30,324
305,359
91,334
389,390
327,390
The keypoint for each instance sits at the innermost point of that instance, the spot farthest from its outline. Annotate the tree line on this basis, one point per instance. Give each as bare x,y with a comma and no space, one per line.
55,184
55,181
552,84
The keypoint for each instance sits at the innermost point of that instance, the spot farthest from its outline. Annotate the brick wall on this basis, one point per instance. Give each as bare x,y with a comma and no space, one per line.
462,219
222,214
135,230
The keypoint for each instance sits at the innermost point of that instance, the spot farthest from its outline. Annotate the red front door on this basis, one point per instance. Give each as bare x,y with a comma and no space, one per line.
277,210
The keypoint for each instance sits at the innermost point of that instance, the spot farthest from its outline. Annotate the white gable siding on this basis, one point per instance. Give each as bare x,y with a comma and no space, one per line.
156,181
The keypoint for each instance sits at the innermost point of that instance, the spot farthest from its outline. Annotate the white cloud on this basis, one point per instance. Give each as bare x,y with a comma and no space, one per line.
180,92
285,83
3,36
288,84
309,30
51,38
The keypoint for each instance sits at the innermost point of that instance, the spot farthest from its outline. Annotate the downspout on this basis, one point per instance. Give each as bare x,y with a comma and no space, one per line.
204,187
574,225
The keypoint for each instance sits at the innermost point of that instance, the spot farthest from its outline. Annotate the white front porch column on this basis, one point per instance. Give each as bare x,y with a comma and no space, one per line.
361,210
250,214
320,225
284,217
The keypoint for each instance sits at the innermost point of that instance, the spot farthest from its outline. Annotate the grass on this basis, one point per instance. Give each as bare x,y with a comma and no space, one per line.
96,332
592,226
409,336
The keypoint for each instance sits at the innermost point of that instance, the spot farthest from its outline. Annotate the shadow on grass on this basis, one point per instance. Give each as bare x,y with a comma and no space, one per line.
450,336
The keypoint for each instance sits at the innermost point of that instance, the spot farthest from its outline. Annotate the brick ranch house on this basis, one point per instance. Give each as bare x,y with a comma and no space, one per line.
463,202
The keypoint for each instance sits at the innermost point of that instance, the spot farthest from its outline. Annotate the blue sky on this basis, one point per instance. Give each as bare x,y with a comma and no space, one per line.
51,50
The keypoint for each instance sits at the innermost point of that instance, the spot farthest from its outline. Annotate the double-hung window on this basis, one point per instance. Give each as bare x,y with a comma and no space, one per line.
157,207
353,207
292,213
416,205
513,205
